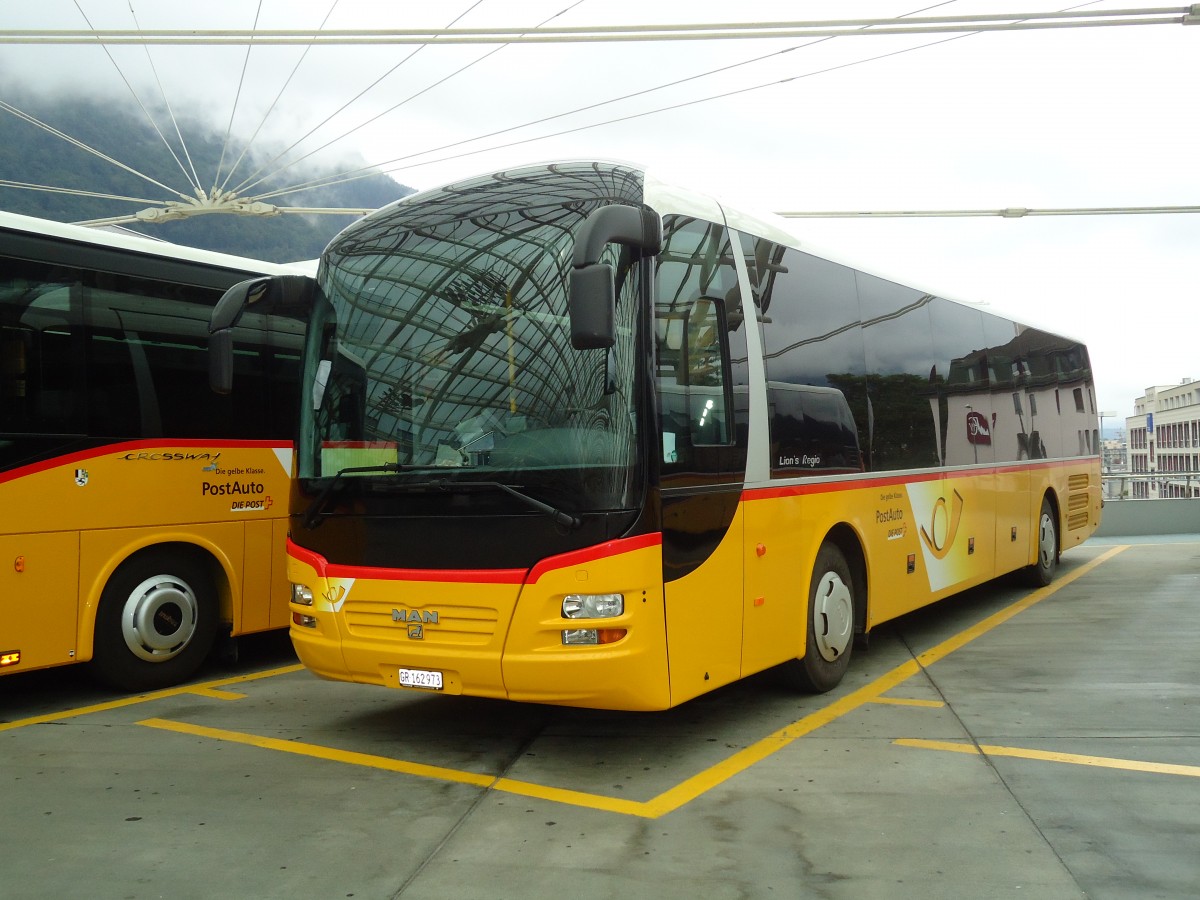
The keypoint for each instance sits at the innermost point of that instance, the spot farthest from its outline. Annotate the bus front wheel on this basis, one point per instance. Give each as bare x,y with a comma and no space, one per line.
156,621
830,621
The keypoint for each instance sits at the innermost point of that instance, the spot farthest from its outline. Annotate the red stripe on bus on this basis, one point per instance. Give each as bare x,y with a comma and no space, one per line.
827,487
477,576
597,552
127,447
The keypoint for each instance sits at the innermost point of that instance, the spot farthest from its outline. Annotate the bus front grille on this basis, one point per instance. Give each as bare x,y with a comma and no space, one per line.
446,624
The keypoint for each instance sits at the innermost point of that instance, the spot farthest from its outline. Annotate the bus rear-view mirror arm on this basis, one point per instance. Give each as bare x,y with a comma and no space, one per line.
278,295
592,303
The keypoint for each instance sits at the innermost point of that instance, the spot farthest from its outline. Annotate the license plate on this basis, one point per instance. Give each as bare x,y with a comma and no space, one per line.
421,678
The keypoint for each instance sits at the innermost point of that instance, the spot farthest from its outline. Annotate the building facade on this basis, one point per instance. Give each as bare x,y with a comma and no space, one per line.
1164,442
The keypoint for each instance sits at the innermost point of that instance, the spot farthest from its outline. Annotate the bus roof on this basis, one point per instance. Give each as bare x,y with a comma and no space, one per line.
135,243
668,195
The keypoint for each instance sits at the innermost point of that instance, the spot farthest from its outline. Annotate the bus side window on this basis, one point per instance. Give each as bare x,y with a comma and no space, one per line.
691,381
812,429
39,330
695,284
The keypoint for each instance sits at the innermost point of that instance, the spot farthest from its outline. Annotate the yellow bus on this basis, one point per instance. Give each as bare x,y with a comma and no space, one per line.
143,516
573,434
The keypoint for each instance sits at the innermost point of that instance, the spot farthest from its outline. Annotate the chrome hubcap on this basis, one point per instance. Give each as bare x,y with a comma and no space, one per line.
1046,542
833,616
159,618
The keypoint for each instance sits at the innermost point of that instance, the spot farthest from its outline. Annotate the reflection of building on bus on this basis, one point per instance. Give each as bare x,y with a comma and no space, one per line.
1030,398
141,511
619,444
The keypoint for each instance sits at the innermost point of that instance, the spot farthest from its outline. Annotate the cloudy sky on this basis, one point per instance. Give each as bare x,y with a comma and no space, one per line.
1053,119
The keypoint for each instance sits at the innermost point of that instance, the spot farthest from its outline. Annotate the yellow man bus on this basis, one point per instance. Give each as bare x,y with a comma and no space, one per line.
142,515
573,434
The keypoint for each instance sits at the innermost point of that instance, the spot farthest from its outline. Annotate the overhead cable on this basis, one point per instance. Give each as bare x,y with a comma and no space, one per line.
1171,15
258,177
1012,212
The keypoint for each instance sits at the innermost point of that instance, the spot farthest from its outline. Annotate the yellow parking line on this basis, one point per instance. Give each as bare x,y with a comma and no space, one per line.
664,803
216,694
742,760
208,688
910,701
692,787
1077,759
574,798
386,763
329,753
948,646
704,781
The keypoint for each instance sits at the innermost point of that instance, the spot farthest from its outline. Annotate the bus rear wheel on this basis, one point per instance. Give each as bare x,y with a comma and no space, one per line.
830,621
156,622
1041,573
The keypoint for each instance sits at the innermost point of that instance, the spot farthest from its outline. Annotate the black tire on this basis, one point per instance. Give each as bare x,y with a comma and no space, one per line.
1042,572
156,622
832,603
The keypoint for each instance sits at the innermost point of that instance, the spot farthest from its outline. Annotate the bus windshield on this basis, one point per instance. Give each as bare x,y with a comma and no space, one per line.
440,353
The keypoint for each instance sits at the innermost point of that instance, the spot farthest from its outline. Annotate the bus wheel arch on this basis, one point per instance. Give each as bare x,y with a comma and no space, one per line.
835,613
1047,542
157,617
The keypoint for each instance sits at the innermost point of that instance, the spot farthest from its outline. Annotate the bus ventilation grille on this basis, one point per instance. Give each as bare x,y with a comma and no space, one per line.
1078,506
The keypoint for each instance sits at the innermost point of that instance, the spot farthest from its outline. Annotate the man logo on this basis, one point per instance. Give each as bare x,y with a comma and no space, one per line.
416,621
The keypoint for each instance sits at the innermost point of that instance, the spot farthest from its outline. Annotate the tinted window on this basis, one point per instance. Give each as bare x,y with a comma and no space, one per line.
1051,369
811,428
961,375
1005,380
812,336
115,356
898,340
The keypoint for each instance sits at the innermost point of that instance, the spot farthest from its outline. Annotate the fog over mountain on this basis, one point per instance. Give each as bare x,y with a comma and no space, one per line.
31,155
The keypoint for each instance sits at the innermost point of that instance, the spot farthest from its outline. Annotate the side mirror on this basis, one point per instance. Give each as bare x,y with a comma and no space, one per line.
592,301
220,361
593,307
280,294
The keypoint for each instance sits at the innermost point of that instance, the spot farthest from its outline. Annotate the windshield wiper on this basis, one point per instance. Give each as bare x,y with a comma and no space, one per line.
312,515
559,516
444,484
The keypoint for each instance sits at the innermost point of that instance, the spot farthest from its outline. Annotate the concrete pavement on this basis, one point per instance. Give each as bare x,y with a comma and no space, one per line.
1005,743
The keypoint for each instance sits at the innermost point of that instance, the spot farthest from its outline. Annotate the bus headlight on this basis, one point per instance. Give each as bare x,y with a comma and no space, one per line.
592,636
302,595
593,606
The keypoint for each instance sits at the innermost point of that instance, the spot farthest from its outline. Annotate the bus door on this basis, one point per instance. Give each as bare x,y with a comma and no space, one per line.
700,369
